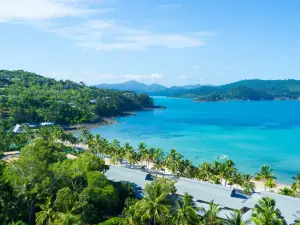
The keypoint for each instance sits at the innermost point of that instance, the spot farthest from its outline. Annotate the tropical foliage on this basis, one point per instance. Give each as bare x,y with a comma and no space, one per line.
266,213
43,187
27,97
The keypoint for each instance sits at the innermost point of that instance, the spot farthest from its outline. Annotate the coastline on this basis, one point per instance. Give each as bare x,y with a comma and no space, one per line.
244,100
259,185
106,120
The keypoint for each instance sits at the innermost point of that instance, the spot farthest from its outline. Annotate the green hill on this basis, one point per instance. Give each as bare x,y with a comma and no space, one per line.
242,90
28,97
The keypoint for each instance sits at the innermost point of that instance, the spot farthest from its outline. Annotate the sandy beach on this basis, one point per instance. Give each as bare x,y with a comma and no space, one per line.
259,185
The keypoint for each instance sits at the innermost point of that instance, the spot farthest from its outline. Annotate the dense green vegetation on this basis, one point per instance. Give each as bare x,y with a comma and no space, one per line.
27,97
242,90
43,187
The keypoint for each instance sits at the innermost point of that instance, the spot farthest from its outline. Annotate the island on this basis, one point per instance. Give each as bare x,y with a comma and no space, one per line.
244,90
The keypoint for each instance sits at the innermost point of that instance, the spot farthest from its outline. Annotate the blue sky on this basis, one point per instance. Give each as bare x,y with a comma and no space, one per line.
170,42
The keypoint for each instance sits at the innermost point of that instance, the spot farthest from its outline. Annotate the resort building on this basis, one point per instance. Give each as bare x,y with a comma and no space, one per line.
203,193
47,124
17,129
10,156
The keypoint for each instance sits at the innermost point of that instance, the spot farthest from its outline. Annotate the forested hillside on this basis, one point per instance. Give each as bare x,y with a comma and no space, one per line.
28,97
242,90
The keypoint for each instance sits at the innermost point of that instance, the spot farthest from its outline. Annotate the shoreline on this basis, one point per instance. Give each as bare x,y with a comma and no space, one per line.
259,185
246,100
106,120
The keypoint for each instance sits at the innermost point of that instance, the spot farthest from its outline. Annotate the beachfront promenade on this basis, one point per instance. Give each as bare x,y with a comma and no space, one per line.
228,198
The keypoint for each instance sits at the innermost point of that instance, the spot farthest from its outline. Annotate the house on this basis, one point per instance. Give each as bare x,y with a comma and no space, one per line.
17,129
47,124
10,156
71,156
93,101
203,193
31,124
289,206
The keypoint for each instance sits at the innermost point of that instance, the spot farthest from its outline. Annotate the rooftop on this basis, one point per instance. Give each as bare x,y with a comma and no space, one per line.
204,193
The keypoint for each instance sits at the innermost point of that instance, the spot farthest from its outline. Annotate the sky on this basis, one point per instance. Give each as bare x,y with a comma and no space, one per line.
170,42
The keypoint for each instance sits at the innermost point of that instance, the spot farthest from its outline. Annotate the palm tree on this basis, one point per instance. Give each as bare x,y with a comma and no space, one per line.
17,223
297,221
159,154
159,166
204,172
115,152
174,161
265,213
270,183
287,191
158,160
184,213
151,152
143,152
210,215
265,173
188,169
95,144
156,203
236,179
47,214
129,153
246,184
236,218
296,184
105,147
67,218
230,170
86,137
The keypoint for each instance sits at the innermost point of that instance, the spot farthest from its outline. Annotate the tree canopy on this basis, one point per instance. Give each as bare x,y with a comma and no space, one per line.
28,97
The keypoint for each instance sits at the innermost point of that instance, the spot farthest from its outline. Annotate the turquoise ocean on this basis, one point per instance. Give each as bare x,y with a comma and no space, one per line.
249,133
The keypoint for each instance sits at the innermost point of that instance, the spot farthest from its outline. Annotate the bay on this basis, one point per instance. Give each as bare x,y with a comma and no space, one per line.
250,133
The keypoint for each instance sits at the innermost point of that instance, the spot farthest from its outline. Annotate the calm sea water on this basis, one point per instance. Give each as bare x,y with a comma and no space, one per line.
249,133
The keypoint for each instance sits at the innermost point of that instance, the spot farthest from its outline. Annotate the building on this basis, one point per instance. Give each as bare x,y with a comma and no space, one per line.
10,156
18,129
203,193
47,124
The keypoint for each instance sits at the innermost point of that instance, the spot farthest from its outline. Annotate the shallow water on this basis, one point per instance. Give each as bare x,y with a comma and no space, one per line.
249,133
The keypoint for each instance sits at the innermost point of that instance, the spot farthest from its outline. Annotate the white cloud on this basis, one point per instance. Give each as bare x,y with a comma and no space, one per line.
170,6
196,67
24,10
109,35
96,33
183,77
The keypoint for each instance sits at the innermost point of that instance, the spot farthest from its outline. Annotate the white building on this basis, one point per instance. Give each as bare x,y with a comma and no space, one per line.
203,193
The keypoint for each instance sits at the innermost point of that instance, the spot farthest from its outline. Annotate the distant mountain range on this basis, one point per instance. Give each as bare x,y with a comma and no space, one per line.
241,90
133,86
141,87
255,90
